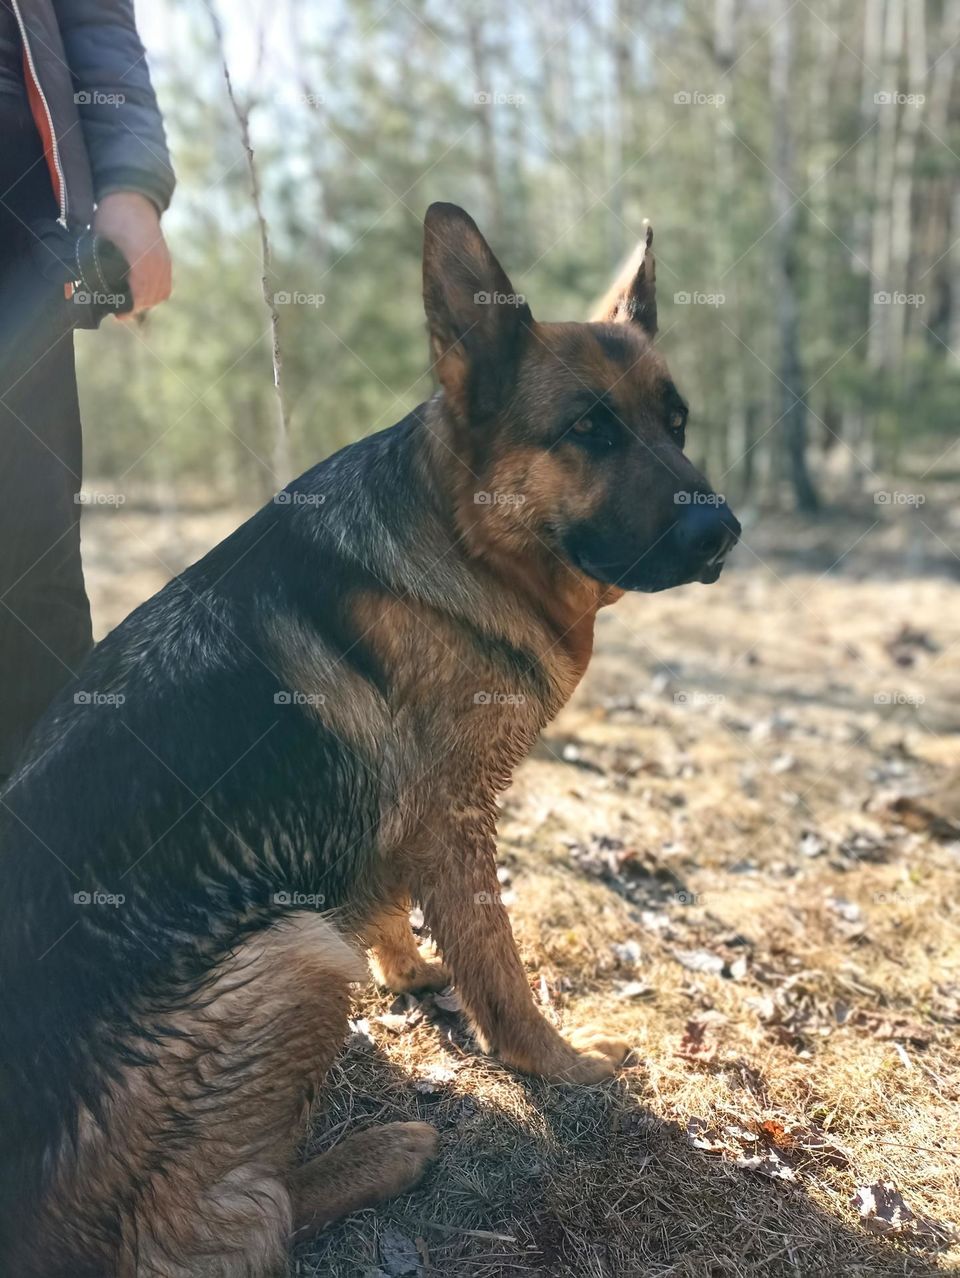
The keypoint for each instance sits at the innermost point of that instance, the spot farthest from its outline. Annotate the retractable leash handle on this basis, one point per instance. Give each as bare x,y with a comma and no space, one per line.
103,271
91,267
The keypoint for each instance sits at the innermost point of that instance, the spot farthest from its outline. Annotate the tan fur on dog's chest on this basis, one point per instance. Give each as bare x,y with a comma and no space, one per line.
464,709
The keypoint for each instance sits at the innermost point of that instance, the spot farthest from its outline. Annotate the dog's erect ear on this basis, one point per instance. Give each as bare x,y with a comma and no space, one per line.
632,298
477,321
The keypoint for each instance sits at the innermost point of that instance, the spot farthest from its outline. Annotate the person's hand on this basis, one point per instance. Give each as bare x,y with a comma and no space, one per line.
132,222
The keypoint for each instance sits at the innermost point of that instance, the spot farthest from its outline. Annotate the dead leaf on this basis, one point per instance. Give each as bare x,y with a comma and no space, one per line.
798,1143
699,961
908,643
434,1079
748,1078
883,1211
571,753
627,952
771,1147
448,1000
934,813
399,1256
637,875
734,969
405,1012
849,911
812,844
737,970
945,1004
799,1008
887,1026
702,1136
768,1164
360,1030
865,845
775,1133
394,1023
881,1207
699,1038
635,989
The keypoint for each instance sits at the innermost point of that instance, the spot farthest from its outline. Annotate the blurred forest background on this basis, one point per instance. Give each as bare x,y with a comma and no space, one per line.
799,161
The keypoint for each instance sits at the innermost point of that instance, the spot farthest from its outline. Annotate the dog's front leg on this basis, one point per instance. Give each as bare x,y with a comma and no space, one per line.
398,964
461,904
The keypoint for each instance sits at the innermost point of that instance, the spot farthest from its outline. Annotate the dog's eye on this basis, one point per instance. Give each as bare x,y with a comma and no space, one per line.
593,430
678,426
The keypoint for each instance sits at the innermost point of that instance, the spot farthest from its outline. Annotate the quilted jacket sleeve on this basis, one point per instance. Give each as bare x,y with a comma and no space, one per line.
121,121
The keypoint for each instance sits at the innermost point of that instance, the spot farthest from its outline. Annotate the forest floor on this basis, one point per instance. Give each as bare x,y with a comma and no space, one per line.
739,848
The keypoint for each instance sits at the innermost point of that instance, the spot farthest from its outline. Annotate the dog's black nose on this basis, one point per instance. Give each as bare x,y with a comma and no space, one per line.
706,531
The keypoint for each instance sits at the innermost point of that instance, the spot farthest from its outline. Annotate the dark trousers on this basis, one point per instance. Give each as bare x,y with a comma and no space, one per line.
44,614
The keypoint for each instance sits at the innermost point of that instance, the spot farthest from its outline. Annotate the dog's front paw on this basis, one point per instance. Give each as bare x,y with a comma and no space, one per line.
588,1056
412,977
597,1056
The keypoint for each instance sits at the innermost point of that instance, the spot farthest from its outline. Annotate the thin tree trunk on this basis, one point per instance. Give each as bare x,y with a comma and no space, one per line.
318,136
550,36
901,202
793,401
935,280
486,114
619,133
828,323
855,427
879,341
869,115
953,327
736,439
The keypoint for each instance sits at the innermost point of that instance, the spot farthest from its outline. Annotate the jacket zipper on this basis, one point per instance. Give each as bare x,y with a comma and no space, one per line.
54,146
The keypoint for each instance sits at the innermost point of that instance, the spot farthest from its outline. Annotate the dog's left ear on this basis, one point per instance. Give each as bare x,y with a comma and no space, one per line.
477,321
632,298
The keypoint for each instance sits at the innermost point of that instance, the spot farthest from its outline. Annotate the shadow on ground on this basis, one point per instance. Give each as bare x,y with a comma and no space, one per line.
568,1181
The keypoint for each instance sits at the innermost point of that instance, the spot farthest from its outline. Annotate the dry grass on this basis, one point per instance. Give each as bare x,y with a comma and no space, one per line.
839,1003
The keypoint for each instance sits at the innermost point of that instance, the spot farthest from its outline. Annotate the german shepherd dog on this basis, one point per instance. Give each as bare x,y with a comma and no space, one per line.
306,731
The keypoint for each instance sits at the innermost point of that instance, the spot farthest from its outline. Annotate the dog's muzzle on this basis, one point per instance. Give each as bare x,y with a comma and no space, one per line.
702,538
693,548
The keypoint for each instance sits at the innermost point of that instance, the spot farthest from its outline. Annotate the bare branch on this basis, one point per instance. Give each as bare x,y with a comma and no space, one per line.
282,465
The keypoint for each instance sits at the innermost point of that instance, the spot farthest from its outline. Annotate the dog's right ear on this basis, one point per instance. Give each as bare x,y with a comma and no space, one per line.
476,320
632,297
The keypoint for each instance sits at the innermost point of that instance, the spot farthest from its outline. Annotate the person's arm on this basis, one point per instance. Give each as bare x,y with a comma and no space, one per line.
123,131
